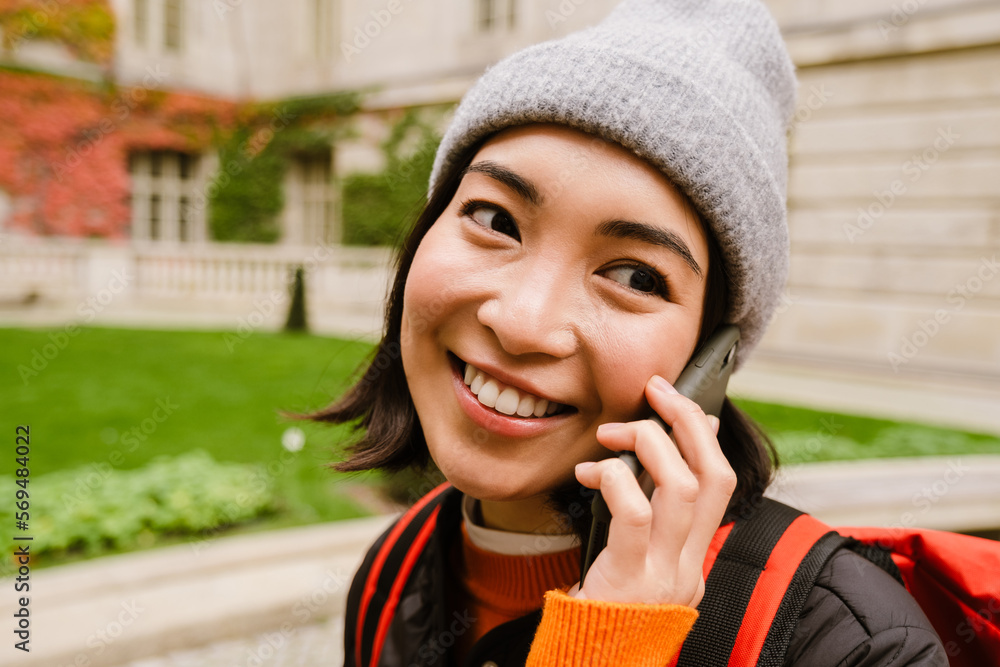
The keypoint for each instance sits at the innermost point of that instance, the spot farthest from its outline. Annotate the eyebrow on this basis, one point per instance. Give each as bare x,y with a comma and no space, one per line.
646,233
518,184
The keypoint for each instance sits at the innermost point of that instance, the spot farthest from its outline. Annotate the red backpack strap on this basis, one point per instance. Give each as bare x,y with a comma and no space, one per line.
389,572
753,594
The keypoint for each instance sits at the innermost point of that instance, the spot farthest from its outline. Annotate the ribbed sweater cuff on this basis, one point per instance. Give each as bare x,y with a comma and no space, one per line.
592,632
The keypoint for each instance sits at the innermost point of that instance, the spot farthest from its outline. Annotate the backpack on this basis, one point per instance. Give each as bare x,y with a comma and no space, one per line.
768,560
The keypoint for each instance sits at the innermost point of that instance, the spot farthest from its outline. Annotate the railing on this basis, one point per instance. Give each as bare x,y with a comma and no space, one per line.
30,268
188,284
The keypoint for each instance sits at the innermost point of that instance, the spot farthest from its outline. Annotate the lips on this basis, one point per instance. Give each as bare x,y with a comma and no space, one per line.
506,399
496,404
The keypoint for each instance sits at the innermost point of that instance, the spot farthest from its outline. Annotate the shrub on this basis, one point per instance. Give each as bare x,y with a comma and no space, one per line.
377,207
95,508
296,320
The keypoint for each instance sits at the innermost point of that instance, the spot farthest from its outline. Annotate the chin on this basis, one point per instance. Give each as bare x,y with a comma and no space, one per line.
489,482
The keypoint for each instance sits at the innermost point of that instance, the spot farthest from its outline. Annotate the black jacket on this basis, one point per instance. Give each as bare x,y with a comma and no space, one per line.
856,614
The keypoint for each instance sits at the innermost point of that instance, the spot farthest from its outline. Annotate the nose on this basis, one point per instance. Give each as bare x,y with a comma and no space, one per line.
532,311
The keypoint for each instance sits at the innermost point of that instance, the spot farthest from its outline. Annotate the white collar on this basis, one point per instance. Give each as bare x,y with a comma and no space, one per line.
509,543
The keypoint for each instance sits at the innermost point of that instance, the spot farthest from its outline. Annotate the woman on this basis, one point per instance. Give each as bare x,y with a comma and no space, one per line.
598,206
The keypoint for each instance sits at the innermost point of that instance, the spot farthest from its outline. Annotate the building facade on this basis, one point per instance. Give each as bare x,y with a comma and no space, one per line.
894,205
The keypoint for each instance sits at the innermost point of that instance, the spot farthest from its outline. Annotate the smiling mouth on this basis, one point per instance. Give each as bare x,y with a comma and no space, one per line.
505,399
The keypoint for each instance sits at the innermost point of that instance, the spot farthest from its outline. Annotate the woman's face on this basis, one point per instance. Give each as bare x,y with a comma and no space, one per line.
565,270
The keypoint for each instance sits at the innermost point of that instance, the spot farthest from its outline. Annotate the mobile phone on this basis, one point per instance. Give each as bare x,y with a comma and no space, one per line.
704,381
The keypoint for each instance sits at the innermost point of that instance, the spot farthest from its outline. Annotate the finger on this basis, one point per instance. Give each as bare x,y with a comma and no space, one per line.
695,436
628,535
676,488
688,422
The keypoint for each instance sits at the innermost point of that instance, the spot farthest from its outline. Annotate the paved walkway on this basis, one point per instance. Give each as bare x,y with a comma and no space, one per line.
118,609
316,645
274,599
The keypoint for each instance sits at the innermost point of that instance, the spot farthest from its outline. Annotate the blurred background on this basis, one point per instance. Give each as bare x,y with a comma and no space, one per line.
199,203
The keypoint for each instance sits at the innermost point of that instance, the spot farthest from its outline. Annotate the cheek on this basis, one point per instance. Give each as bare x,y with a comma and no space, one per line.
634,352
429,286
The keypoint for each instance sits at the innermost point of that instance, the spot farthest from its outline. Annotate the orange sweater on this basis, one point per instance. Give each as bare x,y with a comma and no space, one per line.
497,588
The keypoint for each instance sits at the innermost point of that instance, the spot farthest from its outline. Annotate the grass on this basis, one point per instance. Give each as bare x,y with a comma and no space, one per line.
152,392
125,396
802,435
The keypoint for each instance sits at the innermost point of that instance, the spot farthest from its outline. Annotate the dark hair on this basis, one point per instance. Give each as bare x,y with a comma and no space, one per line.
392,439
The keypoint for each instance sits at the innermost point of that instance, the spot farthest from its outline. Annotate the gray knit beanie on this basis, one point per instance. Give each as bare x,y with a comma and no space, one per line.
702,89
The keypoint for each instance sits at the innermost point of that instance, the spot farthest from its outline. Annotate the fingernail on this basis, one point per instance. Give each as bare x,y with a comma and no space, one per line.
714,421
585,465
610,426
662,385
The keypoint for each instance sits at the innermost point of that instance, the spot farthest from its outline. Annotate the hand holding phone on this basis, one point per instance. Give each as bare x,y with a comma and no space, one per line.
704,381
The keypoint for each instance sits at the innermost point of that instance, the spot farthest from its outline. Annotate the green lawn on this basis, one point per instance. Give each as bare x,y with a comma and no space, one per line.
122,397
95,395
803,435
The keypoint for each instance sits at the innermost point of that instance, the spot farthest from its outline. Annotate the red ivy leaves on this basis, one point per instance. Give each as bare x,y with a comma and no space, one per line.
64,146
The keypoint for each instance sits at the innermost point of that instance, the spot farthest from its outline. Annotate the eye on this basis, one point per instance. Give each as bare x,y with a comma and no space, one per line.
639,278
491,217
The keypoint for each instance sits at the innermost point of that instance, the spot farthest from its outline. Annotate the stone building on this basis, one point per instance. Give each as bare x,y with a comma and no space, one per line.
894,204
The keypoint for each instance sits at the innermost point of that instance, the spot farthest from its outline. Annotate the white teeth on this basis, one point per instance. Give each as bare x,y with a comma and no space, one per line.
526,407
510,401
489,393
507,401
